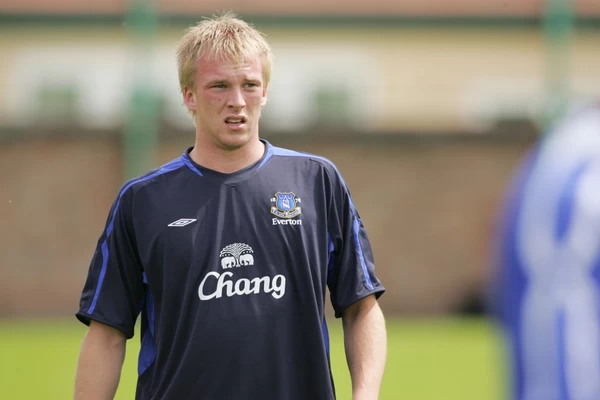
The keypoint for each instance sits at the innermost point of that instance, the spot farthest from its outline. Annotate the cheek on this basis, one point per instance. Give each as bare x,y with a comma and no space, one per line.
212,104
211,98
256,101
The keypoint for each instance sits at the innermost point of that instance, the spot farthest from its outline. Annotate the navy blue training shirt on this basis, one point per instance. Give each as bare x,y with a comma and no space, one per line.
229,272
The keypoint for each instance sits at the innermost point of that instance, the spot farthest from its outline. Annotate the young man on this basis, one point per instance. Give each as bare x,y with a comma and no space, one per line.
227,252
547,288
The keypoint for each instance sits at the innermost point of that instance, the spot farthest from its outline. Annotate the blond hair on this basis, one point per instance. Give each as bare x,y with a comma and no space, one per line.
223,37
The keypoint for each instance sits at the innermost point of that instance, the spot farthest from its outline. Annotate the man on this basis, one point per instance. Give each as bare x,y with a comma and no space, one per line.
227,252
547,292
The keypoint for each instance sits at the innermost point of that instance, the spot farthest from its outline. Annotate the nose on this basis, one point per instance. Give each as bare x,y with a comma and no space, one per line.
236,99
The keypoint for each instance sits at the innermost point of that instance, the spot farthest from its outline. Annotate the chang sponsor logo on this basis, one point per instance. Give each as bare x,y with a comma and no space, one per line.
228,287
216,285
236,255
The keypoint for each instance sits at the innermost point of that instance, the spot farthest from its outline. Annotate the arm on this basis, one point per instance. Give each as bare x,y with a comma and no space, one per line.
365,342
100,361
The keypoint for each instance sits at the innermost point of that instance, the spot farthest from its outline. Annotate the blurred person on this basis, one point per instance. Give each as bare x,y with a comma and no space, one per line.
227,251
547,287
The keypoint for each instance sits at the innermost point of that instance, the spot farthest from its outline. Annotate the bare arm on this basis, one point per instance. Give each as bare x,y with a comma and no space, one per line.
365,342
100,362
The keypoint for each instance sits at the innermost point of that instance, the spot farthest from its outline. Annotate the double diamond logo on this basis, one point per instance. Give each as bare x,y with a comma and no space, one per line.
182,222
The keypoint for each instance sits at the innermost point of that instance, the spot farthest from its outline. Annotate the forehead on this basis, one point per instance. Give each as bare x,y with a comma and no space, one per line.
209,68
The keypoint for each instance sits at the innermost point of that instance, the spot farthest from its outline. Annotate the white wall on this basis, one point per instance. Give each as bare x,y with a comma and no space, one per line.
419,79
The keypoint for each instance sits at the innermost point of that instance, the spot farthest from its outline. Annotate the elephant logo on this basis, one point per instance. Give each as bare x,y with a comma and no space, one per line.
228,262
246,259
236,255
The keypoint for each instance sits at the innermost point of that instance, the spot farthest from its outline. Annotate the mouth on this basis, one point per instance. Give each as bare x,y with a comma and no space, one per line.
235,121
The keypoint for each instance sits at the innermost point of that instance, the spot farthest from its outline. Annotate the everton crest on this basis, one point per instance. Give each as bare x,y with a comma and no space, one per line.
286,205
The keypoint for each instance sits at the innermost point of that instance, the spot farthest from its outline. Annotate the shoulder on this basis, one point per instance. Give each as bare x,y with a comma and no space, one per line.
314,160
155,176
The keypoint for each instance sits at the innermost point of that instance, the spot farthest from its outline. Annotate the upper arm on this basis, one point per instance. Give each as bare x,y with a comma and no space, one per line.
114,290
106,333
363,305
352,265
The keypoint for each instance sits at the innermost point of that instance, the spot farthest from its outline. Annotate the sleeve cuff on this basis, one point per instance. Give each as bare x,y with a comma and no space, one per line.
378,291
86,319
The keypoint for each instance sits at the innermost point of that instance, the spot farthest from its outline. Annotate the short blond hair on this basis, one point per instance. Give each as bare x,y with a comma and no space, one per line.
224,37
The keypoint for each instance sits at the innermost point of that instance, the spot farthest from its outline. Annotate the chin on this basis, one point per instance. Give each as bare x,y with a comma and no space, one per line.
234,141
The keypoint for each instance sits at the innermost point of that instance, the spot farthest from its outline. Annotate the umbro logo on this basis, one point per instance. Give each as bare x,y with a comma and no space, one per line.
182,222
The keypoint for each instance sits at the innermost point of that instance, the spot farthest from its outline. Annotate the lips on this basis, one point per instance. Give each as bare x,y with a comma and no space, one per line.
235,120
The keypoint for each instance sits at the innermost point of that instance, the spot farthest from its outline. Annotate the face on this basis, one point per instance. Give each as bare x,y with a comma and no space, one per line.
228,99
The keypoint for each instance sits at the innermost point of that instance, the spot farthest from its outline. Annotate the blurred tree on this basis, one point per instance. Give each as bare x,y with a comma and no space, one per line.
558,27
141,127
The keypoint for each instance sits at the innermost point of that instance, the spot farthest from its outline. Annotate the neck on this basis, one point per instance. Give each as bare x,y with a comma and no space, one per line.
227,161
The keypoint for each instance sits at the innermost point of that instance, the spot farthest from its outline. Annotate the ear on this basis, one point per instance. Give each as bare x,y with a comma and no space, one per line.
189,98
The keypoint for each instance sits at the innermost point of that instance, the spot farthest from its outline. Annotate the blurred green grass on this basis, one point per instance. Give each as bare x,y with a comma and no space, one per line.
428,359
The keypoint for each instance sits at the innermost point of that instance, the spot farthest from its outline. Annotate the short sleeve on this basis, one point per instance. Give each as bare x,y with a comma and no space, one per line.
351,272
114,290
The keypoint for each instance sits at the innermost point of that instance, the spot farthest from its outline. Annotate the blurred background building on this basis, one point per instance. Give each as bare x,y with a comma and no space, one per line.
426,108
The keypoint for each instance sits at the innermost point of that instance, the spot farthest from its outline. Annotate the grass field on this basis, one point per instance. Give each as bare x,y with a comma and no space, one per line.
441,359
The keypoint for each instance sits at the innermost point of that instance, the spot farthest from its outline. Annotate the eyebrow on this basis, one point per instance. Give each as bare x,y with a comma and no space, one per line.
217,82
226,82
